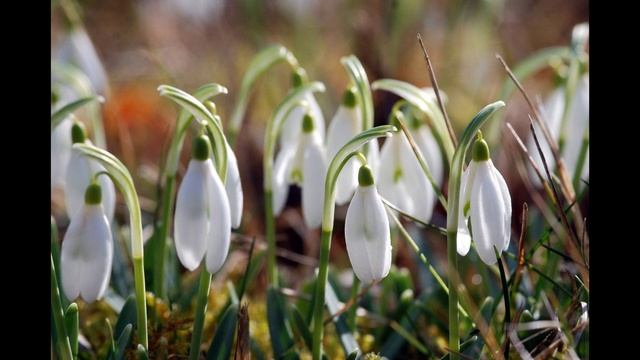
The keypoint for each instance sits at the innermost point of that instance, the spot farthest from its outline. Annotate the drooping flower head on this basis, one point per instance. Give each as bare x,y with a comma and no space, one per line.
401,180
367,233
292,124
485,204
203,216
87,250
346,123
80,173
306,166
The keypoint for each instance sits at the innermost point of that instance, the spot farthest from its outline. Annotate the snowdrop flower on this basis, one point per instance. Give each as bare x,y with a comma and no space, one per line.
401,180
306,166
233,187
292,124
367,234
429,147
203,216
80,173
60,152
577,123
346,123
484,197
87,250
78,49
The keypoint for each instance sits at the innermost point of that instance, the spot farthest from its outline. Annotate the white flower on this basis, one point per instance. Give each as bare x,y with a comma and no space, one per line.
203,215
306,166
367,233
233,187
485,198
577,123
80,173
87,250
346,123
292,125
78,49
60,152
401,180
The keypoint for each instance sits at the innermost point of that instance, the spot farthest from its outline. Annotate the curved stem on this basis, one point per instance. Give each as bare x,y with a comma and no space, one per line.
349,149
293,100
455,177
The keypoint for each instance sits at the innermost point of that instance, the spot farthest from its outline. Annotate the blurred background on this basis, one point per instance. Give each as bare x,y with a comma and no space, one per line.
187,43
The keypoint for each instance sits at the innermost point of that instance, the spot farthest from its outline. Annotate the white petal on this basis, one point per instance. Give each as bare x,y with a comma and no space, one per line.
344,126
292,128
431,151
191,218
78,49
233,188
86,255
219,237
421,192
551,112
487,213
391,188
281,169
60,152
506,199
464,237
577,125
367,235
318,118
314,173
78,177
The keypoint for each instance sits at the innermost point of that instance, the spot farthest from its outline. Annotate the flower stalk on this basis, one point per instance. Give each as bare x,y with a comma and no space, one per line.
327,225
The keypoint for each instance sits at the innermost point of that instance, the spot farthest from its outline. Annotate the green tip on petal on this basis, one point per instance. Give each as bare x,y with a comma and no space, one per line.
299,77
54,96
365,176
93,195
480,150
349,98
201,148
78,133
307,123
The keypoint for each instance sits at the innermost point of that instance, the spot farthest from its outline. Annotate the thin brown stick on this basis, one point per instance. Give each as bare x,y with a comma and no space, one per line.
567,186
436,89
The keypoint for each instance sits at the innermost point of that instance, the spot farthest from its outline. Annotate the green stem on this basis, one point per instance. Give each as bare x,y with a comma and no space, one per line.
581,160
336,165
58,317
455,177
507,304
272,269
318,304
141,301
163,234
351,314
201,309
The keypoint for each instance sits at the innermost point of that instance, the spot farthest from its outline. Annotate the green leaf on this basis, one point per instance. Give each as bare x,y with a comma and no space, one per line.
302,328
260,63
55,254
71,324
61,114
127,316
279,328
121,344
222,342
395,342
142,353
